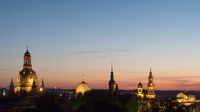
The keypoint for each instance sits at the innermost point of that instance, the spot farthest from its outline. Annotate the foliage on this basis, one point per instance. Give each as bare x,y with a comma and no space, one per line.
100,101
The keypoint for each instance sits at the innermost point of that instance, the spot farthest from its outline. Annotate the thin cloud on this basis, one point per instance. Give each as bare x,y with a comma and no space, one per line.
180,82
107,51
179,77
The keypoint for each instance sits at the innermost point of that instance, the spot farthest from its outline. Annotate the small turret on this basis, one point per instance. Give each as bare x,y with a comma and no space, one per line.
140,90
34,87
12,87
42,87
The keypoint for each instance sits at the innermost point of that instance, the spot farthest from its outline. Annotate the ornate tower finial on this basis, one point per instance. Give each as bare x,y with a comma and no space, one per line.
112,72
12,88
111,66
27,47
83,77
42,82
150,73
11,82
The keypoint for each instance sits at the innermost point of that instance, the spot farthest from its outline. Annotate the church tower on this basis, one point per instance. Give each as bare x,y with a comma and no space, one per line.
113,87
140,93
150,87
12,87
27,75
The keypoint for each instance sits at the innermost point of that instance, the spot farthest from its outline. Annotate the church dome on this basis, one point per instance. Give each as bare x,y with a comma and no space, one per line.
27,75
27,53
181,95
82,88
139,84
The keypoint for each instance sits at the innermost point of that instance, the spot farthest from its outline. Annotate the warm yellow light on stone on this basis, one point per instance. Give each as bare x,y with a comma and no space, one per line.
82,88
186,99
27,75
41,89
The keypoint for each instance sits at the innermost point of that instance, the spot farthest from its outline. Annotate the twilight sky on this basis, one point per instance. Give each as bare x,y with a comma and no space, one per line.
68,38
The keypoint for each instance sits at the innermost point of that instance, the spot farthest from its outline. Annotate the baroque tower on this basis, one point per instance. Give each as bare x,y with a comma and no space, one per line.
113,87
140,93
150,87
27,76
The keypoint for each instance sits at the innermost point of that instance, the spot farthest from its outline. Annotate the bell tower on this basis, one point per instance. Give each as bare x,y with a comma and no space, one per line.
113,87
140,93
150,87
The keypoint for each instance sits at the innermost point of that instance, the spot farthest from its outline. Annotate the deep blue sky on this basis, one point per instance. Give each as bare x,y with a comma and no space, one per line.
71,37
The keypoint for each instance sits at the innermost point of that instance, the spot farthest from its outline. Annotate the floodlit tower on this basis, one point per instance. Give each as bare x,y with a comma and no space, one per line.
150,87
140,90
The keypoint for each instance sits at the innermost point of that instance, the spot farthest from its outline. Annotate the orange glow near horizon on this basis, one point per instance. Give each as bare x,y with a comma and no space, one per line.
68,74
126,81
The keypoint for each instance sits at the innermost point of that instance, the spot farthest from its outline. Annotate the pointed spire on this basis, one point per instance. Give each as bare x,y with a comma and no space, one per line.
150,73
34,87
42,87
27,47
12,88
83,77
11,82
42,82
111,67
27,51
112,72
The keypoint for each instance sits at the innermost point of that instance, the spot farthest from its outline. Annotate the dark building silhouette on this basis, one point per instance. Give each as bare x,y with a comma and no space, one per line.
12,87
113,87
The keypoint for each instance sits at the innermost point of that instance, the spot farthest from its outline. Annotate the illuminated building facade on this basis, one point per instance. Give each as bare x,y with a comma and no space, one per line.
82,88
113,87
186,100
150,87
27,76
140,93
